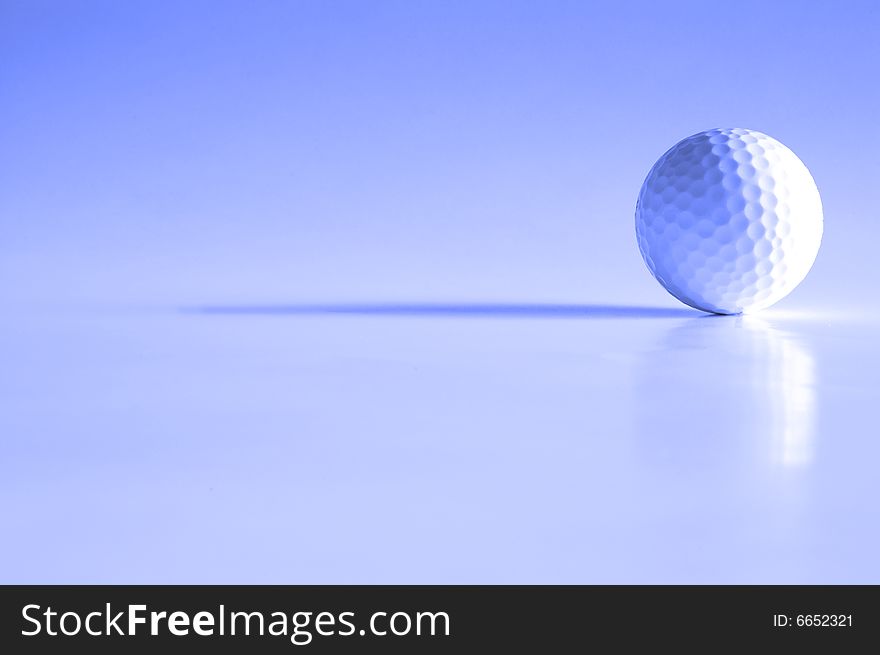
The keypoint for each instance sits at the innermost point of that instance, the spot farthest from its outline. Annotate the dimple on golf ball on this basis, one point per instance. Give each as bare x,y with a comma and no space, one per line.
729,221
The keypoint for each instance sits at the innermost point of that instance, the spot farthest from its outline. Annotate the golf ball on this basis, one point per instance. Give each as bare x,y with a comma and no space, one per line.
729,221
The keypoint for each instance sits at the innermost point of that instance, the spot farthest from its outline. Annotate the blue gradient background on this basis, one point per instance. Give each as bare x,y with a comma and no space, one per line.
382,202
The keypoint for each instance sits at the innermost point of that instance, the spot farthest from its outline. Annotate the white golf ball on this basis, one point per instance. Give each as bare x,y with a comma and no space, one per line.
729,221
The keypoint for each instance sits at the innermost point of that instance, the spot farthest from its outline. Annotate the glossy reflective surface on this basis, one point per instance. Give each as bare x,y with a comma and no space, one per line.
420,442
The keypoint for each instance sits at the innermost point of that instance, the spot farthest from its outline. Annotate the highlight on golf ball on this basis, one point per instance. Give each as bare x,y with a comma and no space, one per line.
729,221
